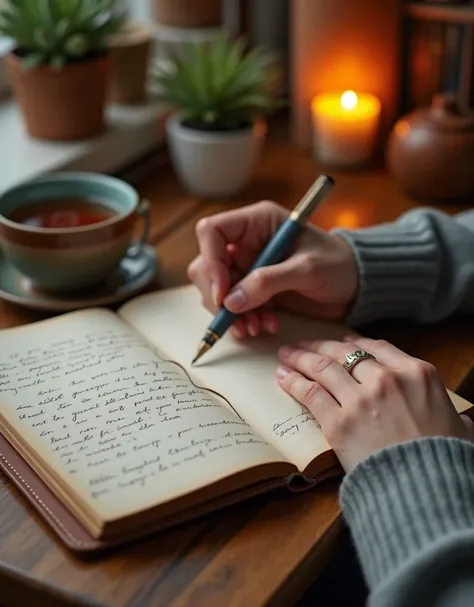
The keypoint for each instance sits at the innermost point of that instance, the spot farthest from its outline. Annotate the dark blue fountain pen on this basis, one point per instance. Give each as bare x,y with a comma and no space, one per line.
275,251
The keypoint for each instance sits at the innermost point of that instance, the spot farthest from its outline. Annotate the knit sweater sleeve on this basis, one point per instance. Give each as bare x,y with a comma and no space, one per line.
410,509
420,267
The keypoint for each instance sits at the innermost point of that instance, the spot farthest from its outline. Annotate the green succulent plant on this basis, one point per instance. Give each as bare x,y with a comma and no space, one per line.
219,85
55,32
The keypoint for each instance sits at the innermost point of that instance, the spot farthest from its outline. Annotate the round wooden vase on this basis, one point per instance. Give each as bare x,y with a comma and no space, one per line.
62,105
188,13
430,151
129,58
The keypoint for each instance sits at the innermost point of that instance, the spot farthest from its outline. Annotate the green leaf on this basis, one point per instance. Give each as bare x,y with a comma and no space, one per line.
60,29
6,18
58,62
77,45
63,27
49,11
33,8
33,60
219,83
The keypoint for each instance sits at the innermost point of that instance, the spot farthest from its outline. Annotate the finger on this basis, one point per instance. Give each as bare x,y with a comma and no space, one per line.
363,371
310,394
385,353
242,257
235,276
213,280
197,276
252,321
323,369
213,234
218,276
256,222
262,284
239,329
269,321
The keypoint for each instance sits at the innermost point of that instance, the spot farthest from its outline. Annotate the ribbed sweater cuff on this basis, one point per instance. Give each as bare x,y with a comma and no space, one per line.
405,497
398,269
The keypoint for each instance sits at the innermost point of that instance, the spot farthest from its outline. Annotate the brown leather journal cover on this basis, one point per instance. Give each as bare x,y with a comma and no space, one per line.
70,530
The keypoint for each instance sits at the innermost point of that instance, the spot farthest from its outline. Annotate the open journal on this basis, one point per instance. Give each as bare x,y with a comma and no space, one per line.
111,434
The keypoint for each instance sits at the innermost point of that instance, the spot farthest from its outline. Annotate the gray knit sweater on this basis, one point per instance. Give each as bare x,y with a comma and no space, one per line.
410,508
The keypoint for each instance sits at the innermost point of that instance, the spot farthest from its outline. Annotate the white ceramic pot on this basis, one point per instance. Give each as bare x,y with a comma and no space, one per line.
214,164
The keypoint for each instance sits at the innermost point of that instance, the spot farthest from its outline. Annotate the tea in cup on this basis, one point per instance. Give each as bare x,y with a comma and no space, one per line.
69,231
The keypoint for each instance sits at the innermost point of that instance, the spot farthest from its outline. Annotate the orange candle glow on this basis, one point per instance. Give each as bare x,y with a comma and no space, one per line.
345,127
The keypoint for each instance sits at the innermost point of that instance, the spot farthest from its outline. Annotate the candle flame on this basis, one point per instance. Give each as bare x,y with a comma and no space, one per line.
349,100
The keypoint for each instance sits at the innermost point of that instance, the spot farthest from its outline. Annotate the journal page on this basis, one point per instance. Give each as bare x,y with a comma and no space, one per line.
110,425
243,372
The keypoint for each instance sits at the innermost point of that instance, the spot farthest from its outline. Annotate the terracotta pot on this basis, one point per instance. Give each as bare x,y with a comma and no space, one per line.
129,55
61,105
430,151
188,13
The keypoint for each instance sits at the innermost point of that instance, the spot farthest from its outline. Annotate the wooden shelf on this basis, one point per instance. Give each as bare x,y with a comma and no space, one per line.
439,12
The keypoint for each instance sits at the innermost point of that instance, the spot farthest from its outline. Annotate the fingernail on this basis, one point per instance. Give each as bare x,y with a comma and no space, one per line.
282,372
252,330
349,338
285,351
235,301
270,326
237,333
215,294
304,345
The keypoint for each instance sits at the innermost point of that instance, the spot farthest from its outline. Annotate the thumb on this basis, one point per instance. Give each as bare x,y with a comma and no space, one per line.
262,284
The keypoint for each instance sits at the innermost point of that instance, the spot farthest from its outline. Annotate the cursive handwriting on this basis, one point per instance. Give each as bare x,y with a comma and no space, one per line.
293,424
113,416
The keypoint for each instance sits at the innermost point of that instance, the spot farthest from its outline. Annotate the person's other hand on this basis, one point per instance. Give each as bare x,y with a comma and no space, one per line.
390,400
319,278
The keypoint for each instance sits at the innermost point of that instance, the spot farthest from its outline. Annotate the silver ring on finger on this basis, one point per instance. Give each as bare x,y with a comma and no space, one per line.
355,357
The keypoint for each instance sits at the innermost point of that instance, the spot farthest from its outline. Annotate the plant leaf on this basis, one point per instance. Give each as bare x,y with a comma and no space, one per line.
33,60
219,83
45,27
58,62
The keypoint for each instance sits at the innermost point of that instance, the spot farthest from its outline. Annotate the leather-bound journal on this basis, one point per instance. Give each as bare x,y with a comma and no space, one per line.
111,434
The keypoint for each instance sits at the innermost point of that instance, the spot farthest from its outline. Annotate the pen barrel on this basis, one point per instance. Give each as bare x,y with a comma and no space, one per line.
275,251
279,246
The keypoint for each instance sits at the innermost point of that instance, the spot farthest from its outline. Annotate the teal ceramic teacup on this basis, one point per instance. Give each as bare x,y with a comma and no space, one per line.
68,231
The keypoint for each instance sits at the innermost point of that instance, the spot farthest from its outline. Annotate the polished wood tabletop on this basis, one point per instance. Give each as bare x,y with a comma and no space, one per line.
267,550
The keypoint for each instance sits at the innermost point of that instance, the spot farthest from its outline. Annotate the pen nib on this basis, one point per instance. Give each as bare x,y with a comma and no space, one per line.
203,348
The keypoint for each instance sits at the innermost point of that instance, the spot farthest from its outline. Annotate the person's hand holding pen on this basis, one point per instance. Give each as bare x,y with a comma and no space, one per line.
319,277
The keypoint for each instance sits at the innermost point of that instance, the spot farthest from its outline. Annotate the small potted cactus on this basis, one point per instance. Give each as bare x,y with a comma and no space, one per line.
220,93
59,64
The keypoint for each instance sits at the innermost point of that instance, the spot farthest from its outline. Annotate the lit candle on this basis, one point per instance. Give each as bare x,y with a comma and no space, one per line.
345,127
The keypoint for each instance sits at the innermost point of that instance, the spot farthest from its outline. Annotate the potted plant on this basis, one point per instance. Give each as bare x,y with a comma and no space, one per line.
59,64
220,93
188,13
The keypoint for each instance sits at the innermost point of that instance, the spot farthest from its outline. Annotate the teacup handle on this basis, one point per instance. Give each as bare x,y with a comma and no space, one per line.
143,212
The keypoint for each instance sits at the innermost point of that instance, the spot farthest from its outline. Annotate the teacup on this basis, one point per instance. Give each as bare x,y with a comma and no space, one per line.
63,246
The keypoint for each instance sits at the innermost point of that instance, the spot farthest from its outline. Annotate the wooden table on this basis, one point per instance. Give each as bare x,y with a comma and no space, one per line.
267,550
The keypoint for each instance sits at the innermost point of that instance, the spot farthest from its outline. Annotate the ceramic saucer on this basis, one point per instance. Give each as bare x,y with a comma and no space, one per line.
131,277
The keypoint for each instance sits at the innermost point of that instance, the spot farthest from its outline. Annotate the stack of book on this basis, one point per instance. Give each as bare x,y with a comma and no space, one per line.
439,52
